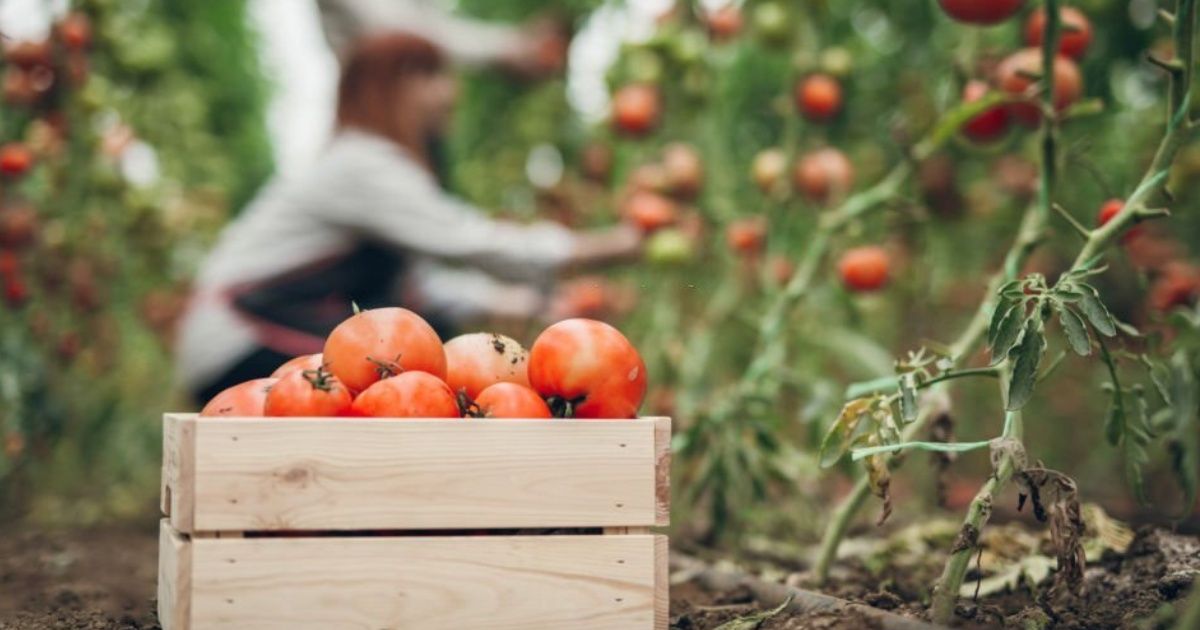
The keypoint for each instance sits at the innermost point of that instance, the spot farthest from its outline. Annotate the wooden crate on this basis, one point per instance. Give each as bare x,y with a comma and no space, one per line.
369,523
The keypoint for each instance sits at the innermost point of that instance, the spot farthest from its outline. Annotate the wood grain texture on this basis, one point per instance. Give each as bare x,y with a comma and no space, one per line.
174,578
662,583
357,474
493,582
178,469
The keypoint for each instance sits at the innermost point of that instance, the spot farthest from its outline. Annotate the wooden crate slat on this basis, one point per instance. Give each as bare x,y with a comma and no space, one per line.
354,474
174,578
493,582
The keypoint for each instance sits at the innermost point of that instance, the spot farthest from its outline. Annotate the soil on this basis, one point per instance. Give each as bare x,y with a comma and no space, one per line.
105,579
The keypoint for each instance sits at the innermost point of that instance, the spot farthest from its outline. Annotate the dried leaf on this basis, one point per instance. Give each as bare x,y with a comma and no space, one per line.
752,622
840,436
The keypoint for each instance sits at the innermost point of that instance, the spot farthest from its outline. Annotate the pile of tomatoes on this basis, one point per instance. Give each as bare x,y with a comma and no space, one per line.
389,363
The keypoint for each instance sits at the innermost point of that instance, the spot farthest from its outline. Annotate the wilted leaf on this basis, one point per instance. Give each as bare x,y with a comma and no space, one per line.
1028,356
752,622
1077,335
1008,333
1097,313
1031,569
840,436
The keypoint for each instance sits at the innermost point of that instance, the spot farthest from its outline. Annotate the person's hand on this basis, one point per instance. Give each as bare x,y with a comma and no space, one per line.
541,51
620,243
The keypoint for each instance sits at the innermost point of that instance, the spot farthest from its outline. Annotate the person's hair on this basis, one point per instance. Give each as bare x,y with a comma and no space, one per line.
372,68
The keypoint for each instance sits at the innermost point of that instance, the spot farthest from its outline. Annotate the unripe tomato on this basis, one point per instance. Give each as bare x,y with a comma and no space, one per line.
864,268
725,22
75,31
1109,210
823,175
382,342
18,226
771,22
242,400
1074,36
650,211
1013,76
669,246
476,361
409,395
983,12
746,236
304,362
510,400
15,159
768,169
819,97
684,169
636,108
989,125
308,394
587,369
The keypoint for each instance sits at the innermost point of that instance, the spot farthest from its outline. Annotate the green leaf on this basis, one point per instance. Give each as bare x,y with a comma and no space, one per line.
1002,309
1183,443
1114,426
1028,356
752,622
908,397
1097,313
1008,333
1077,335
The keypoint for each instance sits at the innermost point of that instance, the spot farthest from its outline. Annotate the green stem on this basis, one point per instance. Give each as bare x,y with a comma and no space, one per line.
889,384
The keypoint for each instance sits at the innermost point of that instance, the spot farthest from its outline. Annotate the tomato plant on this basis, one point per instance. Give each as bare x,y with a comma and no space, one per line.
1076,34
1015,75
864,268
982,12
819,97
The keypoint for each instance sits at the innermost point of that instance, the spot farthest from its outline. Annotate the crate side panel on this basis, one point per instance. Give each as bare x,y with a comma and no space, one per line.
178,468
174,578
345,474
494,582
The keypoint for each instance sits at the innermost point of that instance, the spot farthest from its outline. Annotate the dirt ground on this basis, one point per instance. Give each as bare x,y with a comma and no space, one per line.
105,579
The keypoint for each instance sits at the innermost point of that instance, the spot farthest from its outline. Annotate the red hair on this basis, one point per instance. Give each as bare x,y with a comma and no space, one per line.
372,71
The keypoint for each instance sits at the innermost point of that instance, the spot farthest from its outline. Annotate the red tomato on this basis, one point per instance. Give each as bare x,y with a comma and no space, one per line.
16,292
746,236
10,264
989,125
587,369
823,175
382,342
819,97
299,364
725,22
684,169
409,395
768,169
1013,76
15,159
476,361
1110,210
636,108
650,211
1074,36
1178,285
27,54
864,268
308,393
75,30
242,400
983,12
510,400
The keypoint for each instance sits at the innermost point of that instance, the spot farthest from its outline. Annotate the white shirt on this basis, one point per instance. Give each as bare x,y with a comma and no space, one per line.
362,188
466,41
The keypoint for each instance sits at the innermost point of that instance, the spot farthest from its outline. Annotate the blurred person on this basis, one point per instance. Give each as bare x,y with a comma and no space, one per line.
535,49
368,223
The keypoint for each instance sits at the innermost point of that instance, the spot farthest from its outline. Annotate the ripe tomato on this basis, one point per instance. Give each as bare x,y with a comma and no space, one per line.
650,211
28,53
15,159
725,22
636,108
75,31
382,342
989,125
510,400
409,395
587,369
684,169
1013,76
1177,285
18,226
299,364
864,268
746,236
477,360
1110,210
16,292
984,12
308,394
1074,35
823,175
768,169
819,97
242,400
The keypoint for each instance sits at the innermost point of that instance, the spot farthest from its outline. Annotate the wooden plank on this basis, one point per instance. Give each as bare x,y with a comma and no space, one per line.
662,471
178,469
493,582
662,583
357,474
174,578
